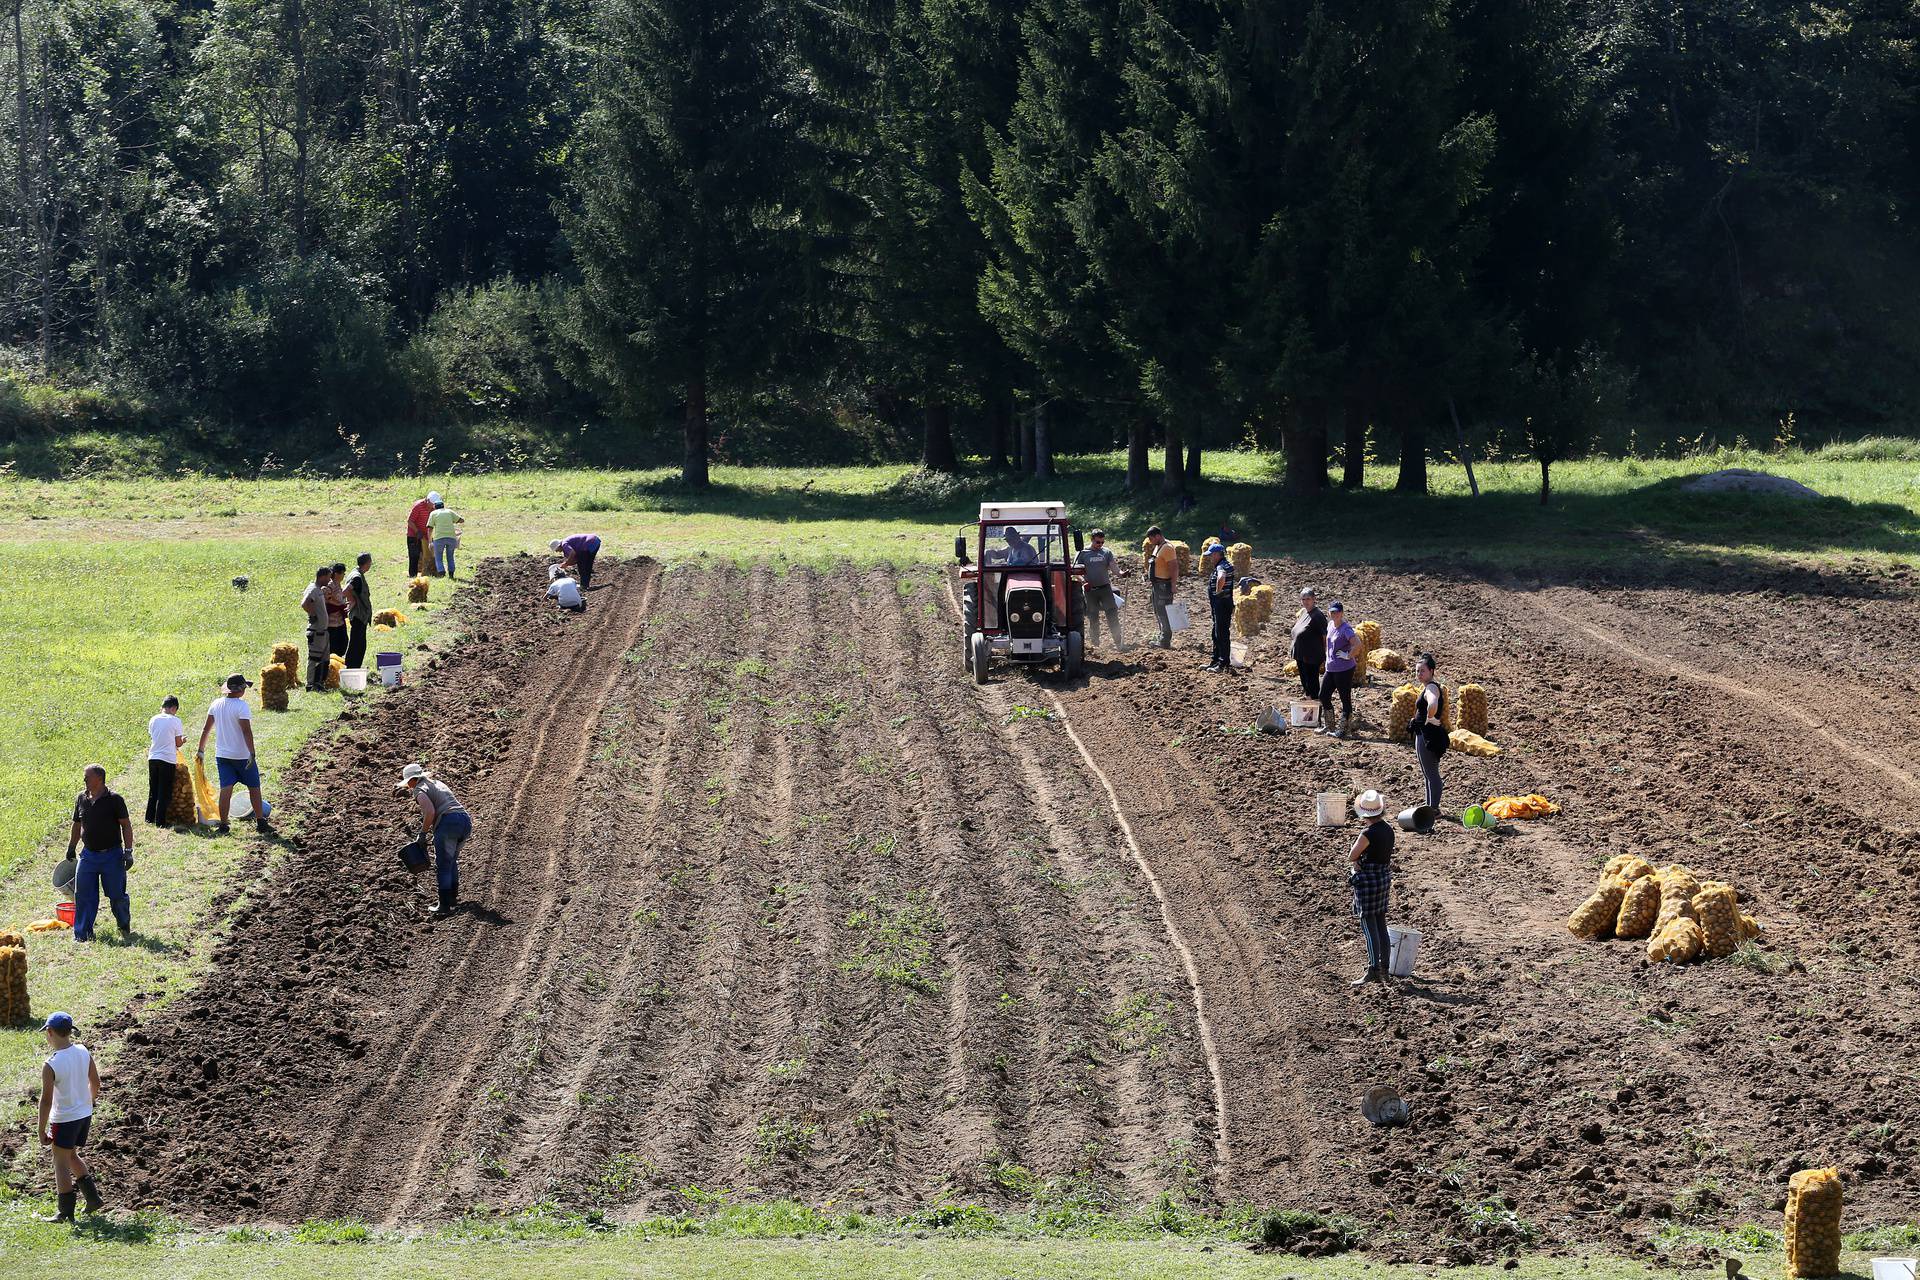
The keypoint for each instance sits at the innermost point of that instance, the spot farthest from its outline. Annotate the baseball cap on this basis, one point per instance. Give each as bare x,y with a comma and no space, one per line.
1334,606
1308,591
435,499
237,681
61,1022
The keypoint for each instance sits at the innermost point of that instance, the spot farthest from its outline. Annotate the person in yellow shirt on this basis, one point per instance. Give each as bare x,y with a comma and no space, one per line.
1163,574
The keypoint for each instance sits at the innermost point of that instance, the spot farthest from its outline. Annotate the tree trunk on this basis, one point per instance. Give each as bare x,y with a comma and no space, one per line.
1546,480
999,424
1139,447
302,98
1173,477
1042,447
1193,464
693,468
936,453
1353,462
1026,442
1413,461
1305,449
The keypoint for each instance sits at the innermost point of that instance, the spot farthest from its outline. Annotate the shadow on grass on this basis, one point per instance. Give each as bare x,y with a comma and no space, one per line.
1653,533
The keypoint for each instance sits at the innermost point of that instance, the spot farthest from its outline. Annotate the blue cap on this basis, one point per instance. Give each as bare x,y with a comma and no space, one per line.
61,1022
1336,605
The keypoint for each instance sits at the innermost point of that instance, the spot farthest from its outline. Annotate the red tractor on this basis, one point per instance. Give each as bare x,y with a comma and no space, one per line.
1021,593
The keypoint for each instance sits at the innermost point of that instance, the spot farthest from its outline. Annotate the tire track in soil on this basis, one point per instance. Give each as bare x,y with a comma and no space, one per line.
448,1039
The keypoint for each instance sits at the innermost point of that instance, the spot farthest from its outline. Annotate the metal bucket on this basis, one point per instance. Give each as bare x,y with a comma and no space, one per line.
1418,819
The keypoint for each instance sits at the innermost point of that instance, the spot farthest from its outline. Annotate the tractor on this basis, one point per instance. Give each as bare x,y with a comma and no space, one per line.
1021,593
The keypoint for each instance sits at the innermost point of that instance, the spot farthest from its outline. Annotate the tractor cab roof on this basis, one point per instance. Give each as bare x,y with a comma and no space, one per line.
1021,512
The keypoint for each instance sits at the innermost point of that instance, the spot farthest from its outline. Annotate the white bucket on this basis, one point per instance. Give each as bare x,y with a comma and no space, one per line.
354,678
1895,1268
1403,948
1237,654
1178,619
1303,713
1330,807
388,667
241,805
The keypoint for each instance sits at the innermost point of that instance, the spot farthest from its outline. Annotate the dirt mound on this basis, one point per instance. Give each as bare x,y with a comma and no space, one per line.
766,894
1741,480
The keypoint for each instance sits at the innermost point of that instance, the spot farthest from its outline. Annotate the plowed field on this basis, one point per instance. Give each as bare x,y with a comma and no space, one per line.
764,892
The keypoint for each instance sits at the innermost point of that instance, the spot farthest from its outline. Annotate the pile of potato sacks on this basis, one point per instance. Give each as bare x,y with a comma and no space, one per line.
1252,609
14,1008
1683,918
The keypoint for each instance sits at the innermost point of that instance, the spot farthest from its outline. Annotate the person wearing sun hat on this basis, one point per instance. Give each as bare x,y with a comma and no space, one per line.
1370,878
69,1090
578,552
446,820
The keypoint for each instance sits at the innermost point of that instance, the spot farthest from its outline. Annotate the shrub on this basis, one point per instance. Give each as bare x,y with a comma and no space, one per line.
303,343
494,351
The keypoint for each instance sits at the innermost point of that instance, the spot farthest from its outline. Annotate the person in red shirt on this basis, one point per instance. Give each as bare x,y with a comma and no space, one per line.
417,530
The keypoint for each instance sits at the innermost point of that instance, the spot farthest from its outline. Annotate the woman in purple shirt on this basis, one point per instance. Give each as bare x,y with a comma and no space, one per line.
579,550
1338,675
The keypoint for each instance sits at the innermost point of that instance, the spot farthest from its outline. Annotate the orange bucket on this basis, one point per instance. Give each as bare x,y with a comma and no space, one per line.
63,912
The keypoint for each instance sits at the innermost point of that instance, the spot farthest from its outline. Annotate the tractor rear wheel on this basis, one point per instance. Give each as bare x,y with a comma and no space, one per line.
982,655
1073,656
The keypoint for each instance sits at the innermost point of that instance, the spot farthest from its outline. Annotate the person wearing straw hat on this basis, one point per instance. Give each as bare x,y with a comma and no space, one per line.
445,819
1370,877
69,1091
1337,676
578,552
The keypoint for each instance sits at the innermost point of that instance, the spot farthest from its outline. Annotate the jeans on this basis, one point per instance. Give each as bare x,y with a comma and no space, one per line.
159,790
1379,948
443,556
100,871
356,654
1099,601
448,835
1162,597
1429,766
1223,633
1340,682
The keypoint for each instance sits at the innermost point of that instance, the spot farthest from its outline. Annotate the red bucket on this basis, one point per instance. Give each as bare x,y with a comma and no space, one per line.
63,912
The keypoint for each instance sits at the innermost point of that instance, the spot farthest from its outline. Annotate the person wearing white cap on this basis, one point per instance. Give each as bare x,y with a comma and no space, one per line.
444,818
564,589
1370,877
578,552
417,532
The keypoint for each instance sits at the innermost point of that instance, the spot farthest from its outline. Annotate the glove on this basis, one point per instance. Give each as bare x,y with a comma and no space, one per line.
126,860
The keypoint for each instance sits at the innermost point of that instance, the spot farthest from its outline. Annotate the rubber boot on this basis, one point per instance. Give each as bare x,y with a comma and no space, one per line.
1324,725
90,1193
1373,974
1345,730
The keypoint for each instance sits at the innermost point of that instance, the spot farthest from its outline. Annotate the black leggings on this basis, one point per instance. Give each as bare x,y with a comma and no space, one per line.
1310,682
1429,768
159,790
1340,682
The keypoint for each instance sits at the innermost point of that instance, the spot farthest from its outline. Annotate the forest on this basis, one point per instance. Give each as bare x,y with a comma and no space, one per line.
1337,230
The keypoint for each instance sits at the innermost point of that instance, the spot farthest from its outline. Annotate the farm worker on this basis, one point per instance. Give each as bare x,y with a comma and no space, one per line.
1220,600
165,736
443,527
1429,726
1020,552
1098,562
1163,574
1338,674
1309,643
103,833
417,532
578,552
359,610
566,591
69,1091
233,750
1370,877
319,646
337,604
443,817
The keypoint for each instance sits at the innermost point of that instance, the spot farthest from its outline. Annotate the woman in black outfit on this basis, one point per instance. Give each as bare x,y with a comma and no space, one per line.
1309,644
1371,879
1429,728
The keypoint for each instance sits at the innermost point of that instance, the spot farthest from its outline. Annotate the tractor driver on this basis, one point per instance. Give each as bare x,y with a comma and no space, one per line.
1020,552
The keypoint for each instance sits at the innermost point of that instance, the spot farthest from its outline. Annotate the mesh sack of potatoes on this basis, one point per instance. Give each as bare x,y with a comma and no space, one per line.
1246,617
417,588
1814,1203
1387,660
1241,556
1264,594
273,688
389,618
287,657
1593,919
1400,713
1750,928
1677,887
1639,909
181,809
1470,703
1678,942
13,980
1719,914
1626,866
335,663
1471,744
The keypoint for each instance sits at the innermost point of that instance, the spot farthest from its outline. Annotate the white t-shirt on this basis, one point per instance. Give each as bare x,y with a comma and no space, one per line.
72,1091
229,743
164,732
566,591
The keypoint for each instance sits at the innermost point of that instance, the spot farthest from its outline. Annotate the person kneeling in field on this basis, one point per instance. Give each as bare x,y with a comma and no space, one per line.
566,591
444,818
69,1089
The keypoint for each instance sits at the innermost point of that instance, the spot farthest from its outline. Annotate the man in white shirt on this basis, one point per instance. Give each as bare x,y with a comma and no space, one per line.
233,752
165,736
564,589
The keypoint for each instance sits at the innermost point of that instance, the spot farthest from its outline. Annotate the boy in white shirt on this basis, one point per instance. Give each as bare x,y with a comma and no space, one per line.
165,736
69,1088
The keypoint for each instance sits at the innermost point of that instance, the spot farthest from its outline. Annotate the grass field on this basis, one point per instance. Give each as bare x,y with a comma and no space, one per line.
119,592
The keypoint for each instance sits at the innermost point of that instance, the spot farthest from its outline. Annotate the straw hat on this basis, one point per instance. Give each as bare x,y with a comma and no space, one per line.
1370,804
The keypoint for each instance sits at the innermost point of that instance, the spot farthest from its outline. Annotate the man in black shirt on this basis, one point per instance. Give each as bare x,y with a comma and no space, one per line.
103,833
359,611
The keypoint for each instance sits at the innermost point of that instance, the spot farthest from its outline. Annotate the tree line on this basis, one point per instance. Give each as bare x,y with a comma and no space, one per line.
1177,224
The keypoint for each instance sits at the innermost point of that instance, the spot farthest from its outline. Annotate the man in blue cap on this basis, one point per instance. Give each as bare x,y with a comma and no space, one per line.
69,1089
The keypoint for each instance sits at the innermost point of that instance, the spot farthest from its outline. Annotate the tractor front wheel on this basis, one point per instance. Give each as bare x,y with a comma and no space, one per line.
982,655
1073,656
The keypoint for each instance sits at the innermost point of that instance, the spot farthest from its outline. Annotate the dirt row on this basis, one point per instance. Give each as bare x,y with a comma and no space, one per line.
766,894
